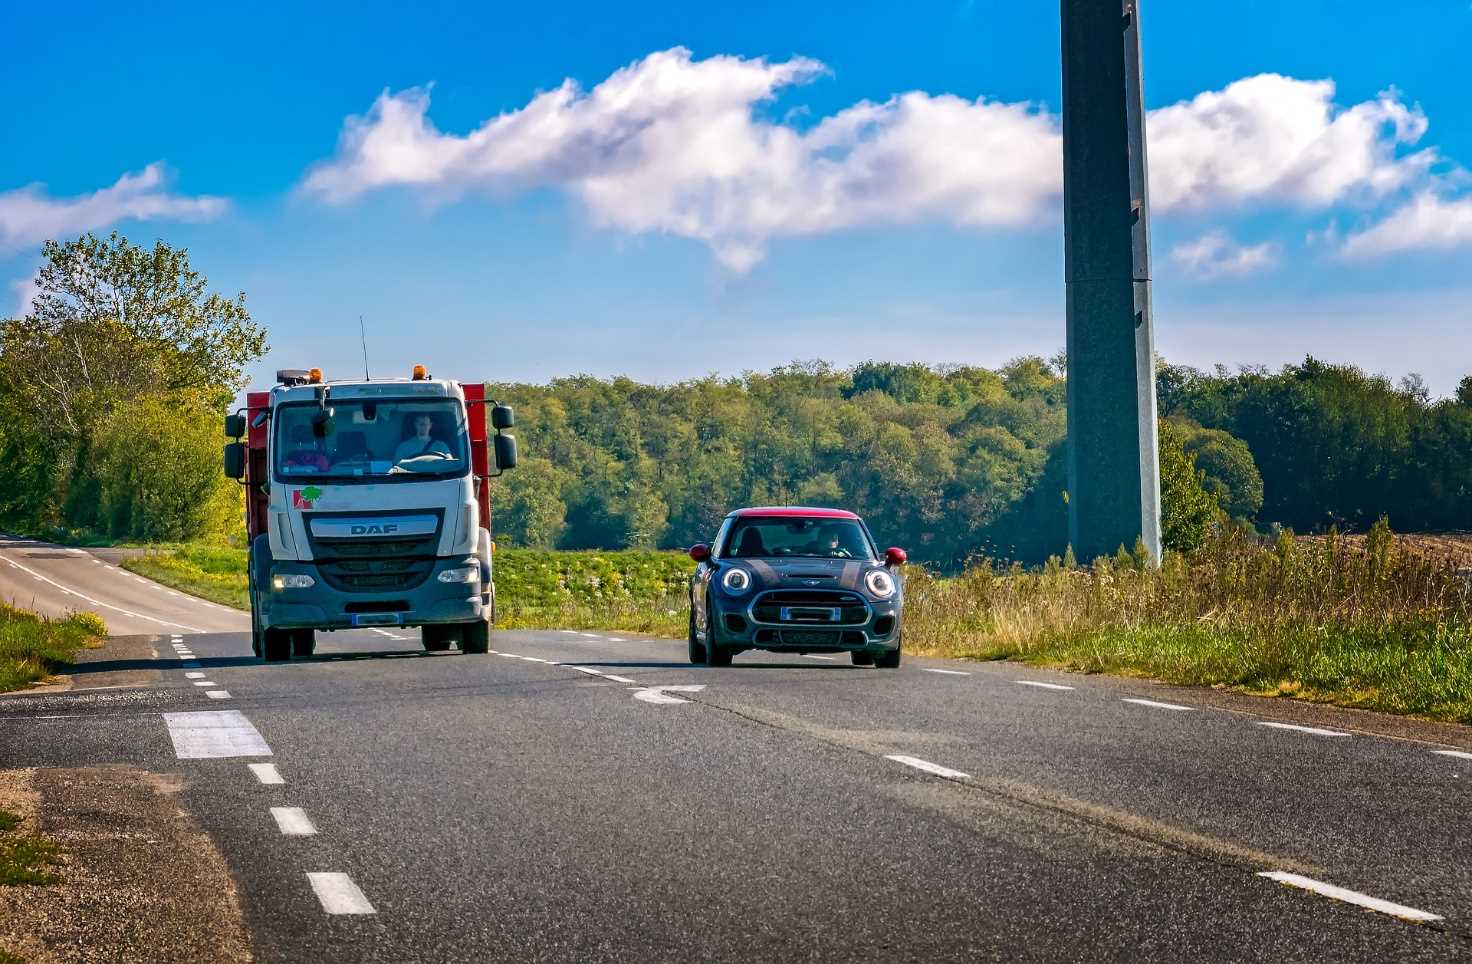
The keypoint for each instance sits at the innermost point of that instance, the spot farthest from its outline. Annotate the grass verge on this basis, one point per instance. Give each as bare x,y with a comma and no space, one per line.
32,647
25,859
1375,622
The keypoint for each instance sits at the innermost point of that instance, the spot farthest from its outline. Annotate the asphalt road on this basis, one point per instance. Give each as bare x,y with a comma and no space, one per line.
549,802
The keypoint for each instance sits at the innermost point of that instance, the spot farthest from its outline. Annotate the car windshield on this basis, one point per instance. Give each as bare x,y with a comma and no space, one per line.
810,538
375,438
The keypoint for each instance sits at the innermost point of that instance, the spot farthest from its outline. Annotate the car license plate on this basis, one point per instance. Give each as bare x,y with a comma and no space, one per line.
376,619
808,614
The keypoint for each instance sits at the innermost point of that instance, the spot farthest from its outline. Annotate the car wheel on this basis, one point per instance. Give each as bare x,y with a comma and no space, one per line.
715,653
436,639
697,648
890,660
475,638
863,659
276,645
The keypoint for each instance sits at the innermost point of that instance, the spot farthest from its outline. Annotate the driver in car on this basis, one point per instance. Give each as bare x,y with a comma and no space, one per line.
421,442
830,543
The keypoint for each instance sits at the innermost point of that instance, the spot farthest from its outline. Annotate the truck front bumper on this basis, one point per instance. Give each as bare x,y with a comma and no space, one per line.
320,606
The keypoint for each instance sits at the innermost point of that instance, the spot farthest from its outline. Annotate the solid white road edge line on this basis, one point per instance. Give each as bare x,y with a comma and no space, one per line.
339,895
293,821
1301,729
1158,706
98,602
1041,685
267,774
946,672
1349,896
1456,753
928,767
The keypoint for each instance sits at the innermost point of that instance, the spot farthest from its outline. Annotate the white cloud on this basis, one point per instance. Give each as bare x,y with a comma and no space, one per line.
1426,222
682,146
1215,255
1271,137
25,290
28,216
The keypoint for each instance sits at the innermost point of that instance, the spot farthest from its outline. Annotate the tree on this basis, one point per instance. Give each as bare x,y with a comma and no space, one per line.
1187,510
1229,472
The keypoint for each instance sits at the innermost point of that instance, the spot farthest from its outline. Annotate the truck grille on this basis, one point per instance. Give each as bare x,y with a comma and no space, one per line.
381,564
808,606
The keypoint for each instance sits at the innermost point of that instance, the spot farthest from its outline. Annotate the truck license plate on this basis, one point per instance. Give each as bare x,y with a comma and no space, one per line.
376,619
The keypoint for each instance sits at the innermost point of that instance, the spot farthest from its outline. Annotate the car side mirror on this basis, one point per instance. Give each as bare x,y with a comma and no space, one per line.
235,460
895,557
505,452
234,426
502,416
700,552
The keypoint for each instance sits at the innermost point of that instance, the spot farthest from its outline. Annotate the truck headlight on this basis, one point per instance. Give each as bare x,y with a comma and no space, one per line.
292,580
736,581
461,574
880,583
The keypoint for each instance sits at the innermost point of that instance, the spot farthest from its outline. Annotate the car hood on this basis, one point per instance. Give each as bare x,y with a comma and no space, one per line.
808,573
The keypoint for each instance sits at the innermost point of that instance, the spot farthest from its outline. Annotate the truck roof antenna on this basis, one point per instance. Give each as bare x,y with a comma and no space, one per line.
363,333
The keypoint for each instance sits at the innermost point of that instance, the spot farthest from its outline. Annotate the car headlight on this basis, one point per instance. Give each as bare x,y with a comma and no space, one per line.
736,581
462,574
880,583
292,580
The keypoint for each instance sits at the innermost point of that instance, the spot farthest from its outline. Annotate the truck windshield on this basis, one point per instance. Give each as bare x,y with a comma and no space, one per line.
820,538
377,438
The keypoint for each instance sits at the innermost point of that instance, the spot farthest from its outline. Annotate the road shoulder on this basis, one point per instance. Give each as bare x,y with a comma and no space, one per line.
138,876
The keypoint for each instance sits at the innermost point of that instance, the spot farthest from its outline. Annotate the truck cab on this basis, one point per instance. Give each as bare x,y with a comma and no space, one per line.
367,505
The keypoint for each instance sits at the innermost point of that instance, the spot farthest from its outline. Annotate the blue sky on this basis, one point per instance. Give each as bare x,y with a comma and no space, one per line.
738,187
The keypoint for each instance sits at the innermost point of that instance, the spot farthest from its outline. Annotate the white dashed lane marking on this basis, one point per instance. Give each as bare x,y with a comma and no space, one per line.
1156,705
194,676
932,768
266,773
588,670
217,694
293,821
1312,730
816,656
945,672
213,734
1349,896
1043,686
1456,753
203,682
618,679
339,895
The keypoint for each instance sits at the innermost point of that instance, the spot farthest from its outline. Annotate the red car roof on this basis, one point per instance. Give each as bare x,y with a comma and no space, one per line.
794,511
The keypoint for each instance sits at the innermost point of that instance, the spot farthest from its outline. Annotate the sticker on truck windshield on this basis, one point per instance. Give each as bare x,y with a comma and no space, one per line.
305,498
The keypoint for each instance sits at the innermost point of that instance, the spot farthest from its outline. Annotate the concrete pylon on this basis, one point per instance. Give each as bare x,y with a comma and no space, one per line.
1113,465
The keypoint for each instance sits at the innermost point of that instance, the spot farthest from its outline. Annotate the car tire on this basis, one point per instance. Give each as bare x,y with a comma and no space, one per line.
890,660
475,637
303,642
716,655
436,639
696,647
863,659
276,645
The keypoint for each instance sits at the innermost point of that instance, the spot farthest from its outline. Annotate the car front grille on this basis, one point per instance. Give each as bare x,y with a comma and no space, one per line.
809,606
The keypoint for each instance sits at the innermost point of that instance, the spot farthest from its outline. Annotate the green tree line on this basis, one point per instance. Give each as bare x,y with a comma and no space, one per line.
112,388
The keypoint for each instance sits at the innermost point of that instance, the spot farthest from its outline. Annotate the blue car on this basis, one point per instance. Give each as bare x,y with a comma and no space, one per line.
796,580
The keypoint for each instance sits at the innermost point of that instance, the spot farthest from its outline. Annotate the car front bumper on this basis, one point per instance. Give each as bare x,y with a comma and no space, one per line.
321,606
736,627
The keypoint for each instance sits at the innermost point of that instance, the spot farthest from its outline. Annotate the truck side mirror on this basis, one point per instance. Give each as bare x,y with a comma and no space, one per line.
505,452
235,460
234,426
502,416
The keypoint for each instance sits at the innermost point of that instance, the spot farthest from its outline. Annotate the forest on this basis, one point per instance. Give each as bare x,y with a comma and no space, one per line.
113,385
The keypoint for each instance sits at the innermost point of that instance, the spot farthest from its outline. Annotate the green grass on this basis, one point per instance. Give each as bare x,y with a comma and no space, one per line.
25,859
32,647
1370,625
535,589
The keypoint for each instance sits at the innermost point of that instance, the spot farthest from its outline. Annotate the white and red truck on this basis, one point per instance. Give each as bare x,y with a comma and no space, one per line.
368,505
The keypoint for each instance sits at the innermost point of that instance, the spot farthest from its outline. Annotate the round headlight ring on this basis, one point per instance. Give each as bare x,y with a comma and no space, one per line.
736,581
880,583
